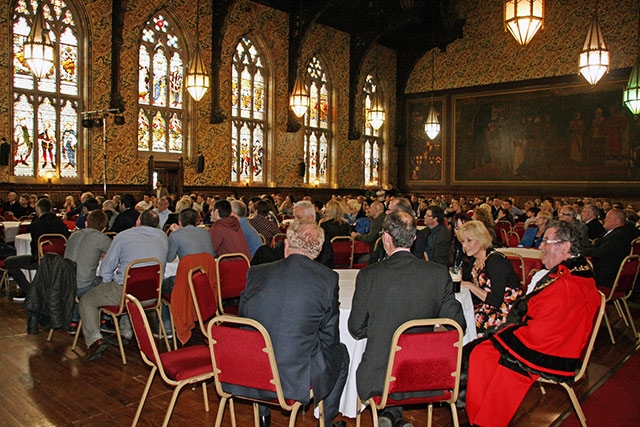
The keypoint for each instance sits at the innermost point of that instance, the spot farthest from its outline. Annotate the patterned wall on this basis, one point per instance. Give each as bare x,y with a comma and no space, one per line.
269,28
487,54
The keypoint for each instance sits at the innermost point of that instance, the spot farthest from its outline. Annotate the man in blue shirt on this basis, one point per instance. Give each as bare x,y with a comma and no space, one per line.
239,210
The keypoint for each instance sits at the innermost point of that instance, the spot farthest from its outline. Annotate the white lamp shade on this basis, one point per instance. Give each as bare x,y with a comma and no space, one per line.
523,18
594,58
432,126
299,100
631,94
38,49
376,114
197,79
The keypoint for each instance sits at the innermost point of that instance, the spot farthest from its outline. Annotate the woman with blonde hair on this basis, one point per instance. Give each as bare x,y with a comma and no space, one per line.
334,223
488,275
69,204
533,234
482,213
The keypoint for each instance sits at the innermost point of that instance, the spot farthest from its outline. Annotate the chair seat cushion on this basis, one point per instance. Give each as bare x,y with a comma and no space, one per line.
416,398
167,298
606,291
187,362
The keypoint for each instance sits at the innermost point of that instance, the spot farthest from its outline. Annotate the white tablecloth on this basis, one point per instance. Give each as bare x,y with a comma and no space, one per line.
10,230
347,283
523,252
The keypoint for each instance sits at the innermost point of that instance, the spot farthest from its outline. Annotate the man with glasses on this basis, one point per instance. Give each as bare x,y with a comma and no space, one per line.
545,333
568,214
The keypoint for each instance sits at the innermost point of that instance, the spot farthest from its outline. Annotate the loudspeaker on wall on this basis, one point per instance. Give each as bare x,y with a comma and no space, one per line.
200,165
301,169
5,149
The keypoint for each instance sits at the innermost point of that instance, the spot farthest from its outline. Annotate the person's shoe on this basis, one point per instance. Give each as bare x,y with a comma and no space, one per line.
107,326
73,328
339,424
96,349
386,419
157,335
113,340
19,297
265,420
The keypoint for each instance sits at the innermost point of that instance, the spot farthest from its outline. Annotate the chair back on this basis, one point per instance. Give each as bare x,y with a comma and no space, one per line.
635,246
143,280
342,251
8,215
518,266
23,228
142,331
502,225
279,237
361,248
518,228
231,274
110,234
51,243
242,355
424,360
586,353
626,278
513,239
204,298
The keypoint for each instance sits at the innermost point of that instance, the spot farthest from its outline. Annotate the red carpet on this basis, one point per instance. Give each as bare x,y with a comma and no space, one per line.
616,402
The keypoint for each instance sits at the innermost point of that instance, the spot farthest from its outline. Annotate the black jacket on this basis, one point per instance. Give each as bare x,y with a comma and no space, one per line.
45,224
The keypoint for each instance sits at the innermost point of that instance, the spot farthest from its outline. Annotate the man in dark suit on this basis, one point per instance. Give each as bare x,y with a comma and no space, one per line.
391,292
296,299
590,216
439,237
128,214
609,251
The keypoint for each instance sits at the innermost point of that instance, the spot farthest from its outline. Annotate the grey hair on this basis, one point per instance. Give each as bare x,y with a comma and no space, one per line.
305,238
568,232
401,226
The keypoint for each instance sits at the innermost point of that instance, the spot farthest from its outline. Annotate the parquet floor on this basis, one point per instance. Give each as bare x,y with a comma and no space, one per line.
47,384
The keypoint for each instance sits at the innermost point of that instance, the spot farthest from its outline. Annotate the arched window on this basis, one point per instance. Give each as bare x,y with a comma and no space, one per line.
161,87
317,121
372,141
45,111
248,113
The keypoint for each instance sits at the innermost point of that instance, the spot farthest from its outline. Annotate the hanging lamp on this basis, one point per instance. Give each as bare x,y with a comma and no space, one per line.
432,125
631,94
197,78
38,48
523,18
594,58
299,100
376,114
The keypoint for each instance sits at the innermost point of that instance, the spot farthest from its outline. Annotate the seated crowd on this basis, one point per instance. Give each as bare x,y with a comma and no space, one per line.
413,242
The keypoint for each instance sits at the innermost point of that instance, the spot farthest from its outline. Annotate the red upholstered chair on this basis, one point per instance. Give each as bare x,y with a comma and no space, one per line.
519,229
204,299
586,355
143,280
621,291
280,237
342,251
188,365
423,360
231,274
502,225
23,228
244,357
513,239
361,248
8,216
51,243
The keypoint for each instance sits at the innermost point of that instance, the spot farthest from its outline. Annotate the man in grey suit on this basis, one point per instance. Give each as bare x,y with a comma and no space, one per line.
296,299
391,292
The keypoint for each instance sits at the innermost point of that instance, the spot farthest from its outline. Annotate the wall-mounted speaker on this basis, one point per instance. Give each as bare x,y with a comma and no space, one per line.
200,164
301,169
5,150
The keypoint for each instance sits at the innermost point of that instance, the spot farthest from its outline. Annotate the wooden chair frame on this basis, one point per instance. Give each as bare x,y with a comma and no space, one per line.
438,325
281,400
49,239
196,301
635,246
583,366
628,320
517,261
339,240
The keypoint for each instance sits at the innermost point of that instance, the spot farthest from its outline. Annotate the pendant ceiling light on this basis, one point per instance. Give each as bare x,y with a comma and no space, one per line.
197,78
38,48
432,125
523,18
299,100
376,114
594,58
631,94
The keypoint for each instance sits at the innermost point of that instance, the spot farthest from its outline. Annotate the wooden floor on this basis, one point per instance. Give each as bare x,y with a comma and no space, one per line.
47,384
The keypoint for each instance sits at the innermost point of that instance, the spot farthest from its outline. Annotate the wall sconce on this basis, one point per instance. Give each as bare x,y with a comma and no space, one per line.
316,183
49,175
523,18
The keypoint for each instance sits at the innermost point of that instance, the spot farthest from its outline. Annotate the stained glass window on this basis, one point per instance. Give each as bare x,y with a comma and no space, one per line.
372,138
160,87
248,121
45,111
317,134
